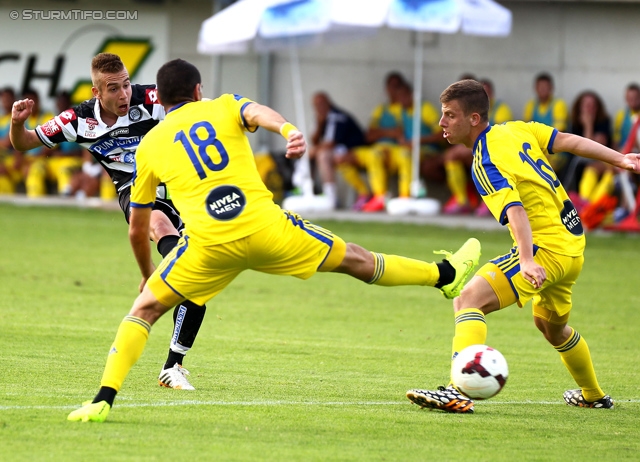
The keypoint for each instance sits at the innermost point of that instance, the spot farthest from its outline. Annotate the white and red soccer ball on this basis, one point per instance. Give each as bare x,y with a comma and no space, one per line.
479,371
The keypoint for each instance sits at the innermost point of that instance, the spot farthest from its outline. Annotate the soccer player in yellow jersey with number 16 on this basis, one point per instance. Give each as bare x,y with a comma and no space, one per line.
511,173
203,155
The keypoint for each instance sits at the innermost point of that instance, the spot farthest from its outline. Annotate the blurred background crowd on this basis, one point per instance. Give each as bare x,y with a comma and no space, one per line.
360,165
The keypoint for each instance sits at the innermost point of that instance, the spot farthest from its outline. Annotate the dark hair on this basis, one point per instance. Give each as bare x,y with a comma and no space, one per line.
9,90
31,92
176,81
467,76
471,96
633,86
395,75
487,83
544,76
601,113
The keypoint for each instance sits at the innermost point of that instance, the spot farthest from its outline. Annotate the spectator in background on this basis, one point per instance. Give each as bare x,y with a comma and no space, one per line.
385,129
9,163
431,143
589,119
549,110
627,116
63,161
458,159
33,161
334,147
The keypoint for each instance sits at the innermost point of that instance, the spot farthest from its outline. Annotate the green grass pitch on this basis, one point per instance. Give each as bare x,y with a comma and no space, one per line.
290,370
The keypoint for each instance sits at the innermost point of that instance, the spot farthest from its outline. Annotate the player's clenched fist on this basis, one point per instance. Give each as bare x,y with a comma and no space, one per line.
21,110
296,145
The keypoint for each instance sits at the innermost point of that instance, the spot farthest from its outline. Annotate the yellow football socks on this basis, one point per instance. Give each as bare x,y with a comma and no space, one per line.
576,357
373,161
471,329
588,183
352,176
393,270
126,349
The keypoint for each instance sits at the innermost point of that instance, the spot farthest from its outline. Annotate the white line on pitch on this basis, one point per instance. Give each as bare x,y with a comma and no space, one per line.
287,403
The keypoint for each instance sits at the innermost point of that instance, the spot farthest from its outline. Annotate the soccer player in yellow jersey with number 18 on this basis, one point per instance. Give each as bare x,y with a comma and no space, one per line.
511,173
203,155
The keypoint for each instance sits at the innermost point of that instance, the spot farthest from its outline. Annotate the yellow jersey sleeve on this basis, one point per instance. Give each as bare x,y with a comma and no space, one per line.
236,104
544,134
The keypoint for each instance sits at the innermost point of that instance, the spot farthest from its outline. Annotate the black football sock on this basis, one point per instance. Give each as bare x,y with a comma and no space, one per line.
447,273
107,394
187,319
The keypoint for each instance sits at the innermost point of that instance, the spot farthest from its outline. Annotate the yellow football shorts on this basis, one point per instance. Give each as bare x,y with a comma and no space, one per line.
290,246
552,301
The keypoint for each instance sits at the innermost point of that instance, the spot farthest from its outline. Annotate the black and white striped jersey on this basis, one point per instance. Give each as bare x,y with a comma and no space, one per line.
115,146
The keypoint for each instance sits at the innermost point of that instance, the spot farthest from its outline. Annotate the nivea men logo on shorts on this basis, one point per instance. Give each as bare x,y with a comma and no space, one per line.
225,202
570,219
135,114
119,131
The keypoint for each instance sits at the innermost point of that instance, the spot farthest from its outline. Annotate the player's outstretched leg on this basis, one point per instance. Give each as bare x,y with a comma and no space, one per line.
393,270
447,399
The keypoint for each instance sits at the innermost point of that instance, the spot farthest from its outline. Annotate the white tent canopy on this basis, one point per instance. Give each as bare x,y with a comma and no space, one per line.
265,25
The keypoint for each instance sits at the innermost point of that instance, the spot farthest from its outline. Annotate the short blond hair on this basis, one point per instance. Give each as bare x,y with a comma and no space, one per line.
105,63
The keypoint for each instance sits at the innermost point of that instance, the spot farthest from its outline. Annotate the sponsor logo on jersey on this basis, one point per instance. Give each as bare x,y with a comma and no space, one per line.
124,158
90,134
570,219
51,128
151,96
119,131
225,202
91,123
107,146
135,114
67,116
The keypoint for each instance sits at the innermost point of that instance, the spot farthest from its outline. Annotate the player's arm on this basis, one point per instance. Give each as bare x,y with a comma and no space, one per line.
143,196
521,229
139,221
583,147
257,115
22,139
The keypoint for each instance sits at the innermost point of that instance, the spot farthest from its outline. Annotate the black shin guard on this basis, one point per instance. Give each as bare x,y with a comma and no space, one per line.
187,319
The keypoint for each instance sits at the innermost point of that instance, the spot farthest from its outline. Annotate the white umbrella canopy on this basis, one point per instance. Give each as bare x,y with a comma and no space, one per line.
275,24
